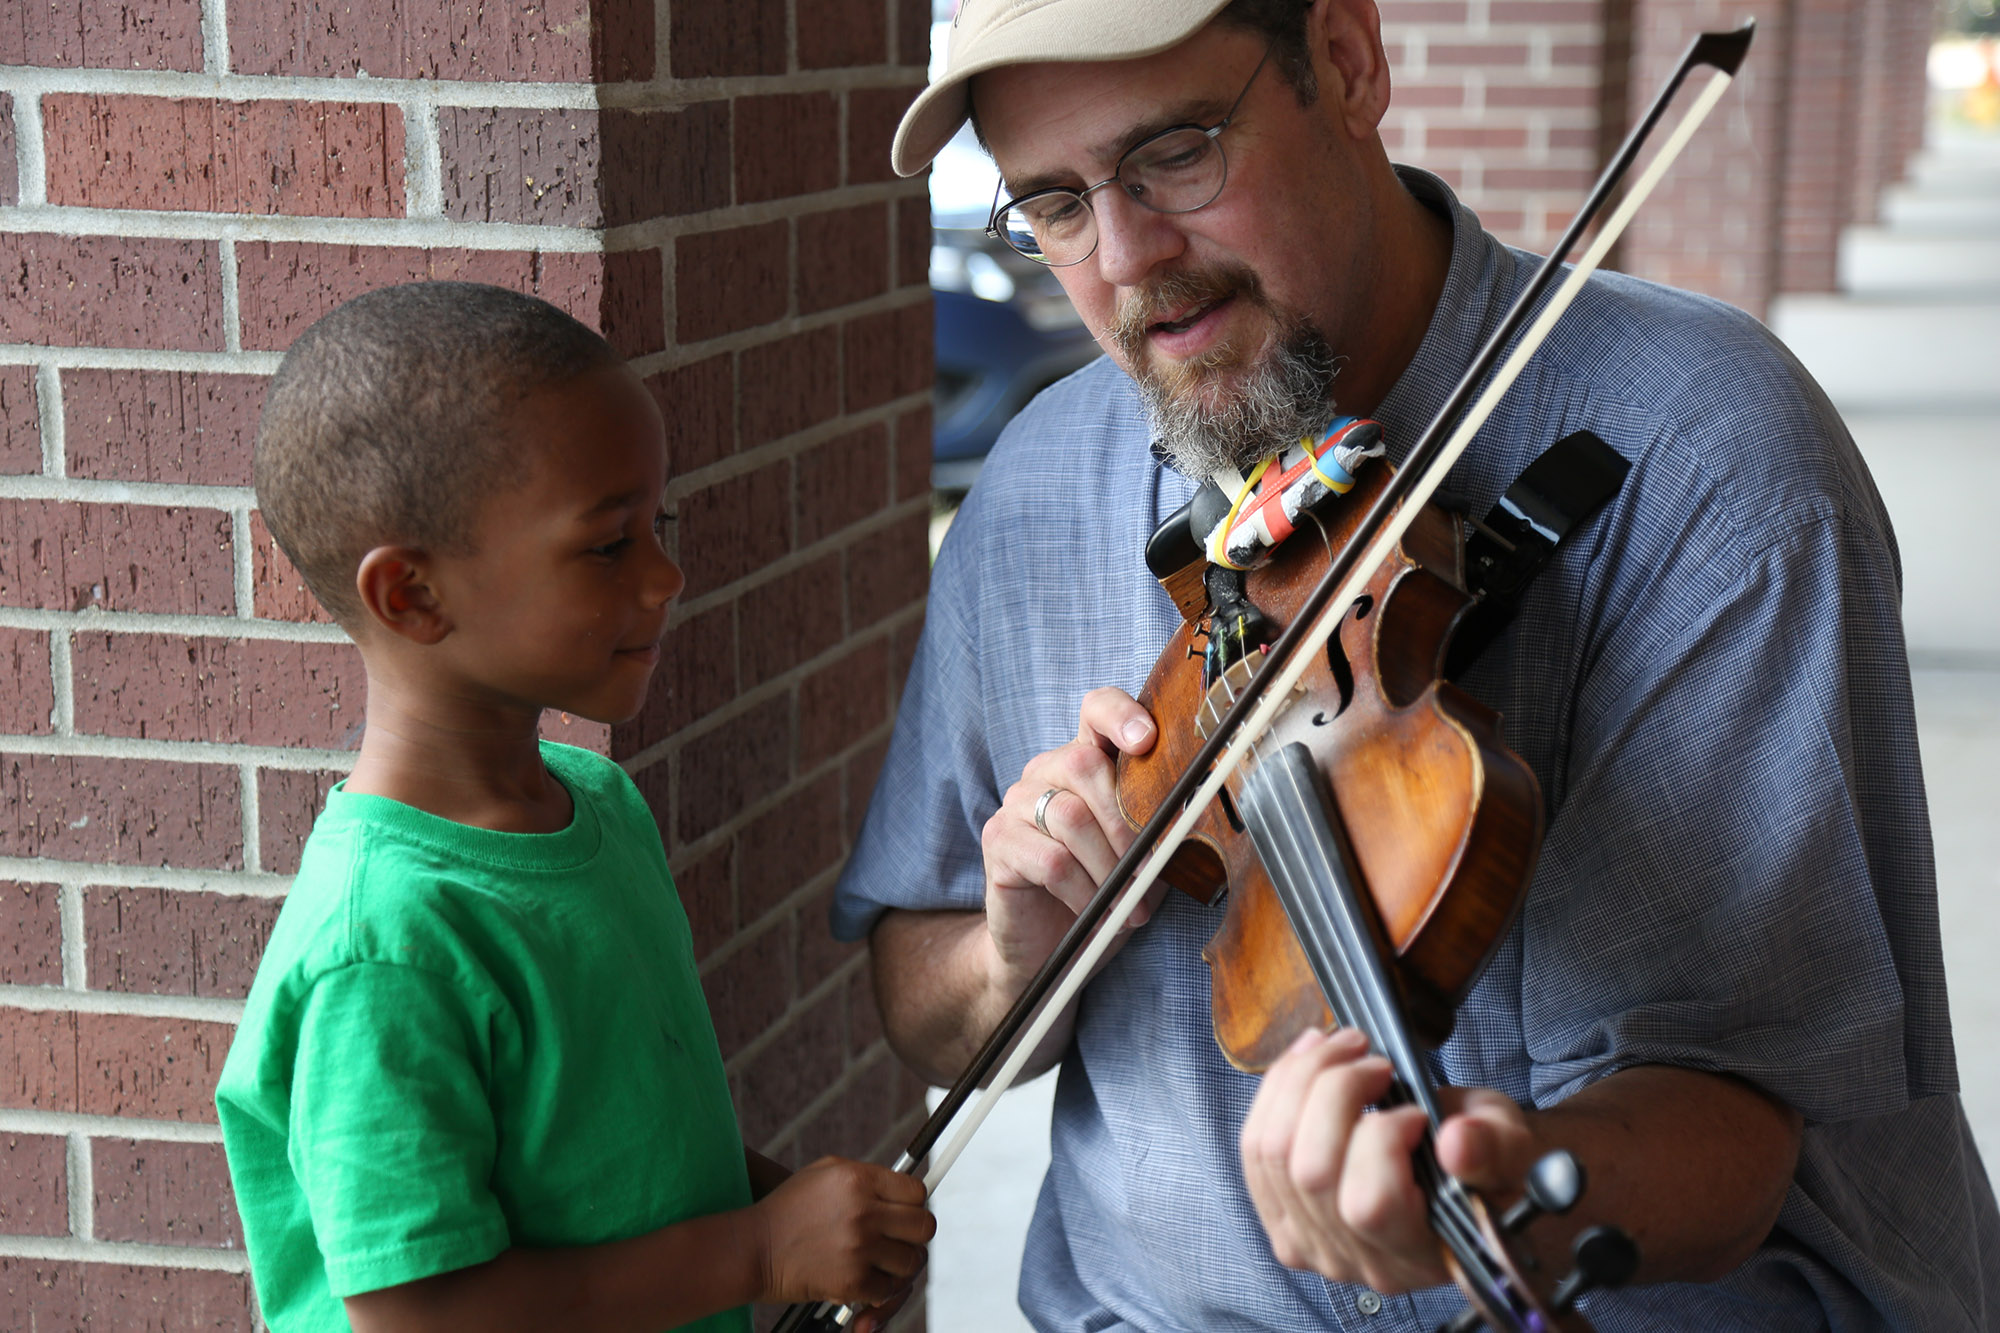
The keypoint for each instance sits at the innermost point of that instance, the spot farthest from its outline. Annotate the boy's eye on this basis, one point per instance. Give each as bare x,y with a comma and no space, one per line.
661,522
612,549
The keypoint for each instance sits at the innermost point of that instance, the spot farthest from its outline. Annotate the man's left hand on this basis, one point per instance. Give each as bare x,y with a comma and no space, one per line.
1334,1186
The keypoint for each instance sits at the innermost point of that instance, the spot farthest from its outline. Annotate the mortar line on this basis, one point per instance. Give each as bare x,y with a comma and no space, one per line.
49,408
232,300
137,358
241,538
75,958
813,1109
89,490
82,1188
225,86
827,986
193,627
178,752
842,115
226,883
62,681
192,224
30,155
54,999
697,848
427,231
423,159
139,622
14,1120
689,608
663,94
663,45
253,821
214,37
74,1250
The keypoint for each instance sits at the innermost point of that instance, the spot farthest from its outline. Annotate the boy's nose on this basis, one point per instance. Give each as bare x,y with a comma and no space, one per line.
666,582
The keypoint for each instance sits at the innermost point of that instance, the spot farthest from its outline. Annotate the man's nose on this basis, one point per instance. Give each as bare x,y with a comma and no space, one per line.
1132,239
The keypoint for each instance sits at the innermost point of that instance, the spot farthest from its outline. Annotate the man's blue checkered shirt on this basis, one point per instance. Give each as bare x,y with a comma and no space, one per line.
1710,683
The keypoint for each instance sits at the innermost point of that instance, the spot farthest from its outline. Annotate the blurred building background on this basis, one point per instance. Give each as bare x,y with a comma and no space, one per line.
184,184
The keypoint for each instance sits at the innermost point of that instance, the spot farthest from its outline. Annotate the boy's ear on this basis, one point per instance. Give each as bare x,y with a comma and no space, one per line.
395,590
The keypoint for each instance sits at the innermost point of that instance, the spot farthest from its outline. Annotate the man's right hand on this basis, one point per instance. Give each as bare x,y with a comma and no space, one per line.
1037,881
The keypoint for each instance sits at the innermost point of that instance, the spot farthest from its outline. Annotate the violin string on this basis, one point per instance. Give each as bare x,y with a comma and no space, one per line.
1292,862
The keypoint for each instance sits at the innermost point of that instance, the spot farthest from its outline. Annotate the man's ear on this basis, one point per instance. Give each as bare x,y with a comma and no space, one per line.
1345,37
394,585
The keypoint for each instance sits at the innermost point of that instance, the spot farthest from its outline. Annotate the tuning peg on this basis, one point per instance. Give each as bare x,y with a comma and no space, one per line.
1605,1257
1554,1184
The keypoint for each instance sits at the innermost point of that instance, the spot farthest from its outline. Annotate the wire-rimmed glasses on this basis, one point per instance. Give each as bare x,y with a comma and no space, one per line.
1178,170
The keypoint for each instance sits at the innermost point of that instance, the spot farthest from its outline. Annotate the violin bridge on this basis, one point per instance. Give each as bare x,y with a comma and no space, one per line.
1228,687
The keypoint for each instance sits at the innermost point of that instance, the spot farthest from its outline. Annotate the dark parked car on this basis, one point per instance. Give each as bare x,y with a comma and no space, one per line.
1005,331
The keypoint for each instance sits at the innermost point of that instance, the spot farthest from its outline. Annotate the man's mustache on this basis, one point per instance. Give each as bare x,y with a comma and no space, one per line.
1173,293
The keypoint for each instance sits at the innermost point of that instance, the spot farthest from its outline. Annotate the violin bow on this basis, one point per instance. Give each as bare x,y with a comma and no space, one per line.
1021,1030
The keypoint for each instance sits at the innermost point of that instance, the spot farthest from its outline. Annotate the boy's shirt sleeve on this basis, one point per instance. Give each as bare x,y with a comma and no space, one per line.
392,1132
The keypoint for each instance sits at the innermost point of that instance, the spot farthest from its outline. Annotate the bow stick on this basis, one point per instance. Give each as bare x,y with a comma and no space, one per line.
1264,696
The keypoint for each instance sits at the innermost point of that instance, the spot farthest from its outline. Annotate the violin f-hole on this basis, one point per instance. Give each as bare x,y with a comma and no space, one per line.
1343,676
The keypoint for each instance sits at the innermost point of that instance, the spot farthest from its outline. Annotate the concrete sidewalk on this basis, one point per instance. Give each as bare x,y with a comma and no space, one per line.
1911,354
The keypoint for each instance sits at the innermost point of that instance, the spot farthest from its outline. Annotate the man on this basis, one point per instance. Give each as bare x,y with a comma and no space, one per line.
1724,993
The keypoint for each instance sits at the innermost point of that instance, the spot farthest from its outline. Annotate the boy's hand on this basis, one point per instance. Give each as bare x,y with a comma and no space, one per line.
843,1231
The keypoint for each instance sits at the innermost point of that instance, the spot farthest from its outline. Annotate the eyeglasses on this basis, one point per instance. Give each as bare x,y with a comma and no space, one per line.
1178,170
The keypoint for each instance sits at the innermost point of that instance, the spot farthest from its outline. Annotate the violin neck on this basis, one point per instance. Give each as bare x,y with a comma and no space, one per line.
1298,834
1296,827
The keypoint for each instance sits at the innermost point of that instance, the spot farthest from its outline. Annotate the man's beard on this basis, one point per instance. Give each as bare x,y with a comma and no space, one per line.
1220,409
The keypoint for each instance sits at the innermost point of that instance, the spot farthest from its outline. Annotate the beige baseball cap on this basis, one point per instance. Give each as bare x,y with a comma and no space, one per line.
986,34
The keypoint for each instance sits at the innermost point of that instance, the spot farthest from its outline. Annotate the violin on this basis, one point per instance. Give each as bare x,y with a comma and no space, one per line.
1444,821
1374,850
1371,747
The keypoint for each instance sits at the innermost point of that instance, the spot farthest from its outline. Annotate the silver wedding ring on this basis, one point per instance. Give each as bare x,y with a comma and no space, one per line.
1042,810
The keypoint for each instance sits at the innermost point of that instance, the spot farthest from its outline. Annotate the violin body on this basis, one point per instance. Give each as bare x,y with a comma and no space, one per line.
1444,819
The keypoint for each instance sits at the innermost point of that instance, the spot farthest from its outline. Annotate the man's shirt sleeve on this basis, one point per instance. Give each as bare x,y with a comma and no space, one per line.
1746,871
392,1133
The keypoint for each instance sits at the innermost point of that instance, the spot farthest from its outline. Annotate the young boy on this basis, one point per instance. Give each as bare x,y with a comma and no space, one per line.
476,1086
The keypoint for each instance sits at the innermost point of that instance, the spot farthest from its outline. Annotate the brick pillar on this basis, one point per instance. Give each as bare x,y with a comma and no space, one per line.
1501,99
1821,120
1918,22
1713,224
1875,133
184,185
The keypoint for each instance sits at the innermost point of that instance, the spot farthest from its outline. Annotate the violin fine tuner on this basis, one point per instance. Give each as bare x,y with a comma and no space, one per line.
1604,1256
1554,1184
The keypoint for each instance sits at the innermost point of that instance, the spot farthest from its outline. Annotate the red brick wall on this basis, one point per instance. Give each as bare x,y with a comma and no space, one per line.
184,185
1518,103
1501,98
1712,226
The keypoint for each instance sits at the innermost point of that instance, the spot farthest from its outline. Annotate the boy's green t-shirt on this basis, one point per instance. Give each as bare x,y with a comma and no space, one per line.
460,1041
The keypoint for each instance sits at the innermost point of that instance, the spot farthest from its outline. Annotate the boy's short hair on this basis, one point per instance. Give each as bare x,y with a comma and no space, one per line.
383,425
